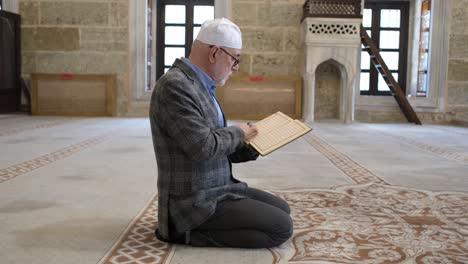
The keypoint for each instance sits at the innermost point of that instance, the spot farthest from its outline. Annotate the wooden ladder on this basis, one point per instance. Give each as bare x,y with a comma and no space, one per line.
382,68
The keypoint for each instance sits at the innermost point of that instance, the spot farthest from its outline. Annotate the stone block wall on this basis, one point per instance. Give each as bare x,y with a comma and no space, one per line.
458,62
91,37
271,36
77,36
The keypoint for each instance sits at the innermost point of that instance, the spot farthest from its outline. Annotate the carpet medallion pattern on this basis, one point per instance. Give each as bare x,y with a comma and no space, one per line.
367,223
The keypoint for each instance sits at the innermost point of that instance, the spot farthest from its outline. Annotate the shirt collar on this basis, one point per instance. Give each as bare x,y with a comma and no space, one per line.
206,80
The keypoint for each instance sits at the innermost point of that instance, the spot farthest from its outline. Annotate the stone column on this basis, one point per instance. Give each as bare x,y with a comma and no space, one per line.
308,97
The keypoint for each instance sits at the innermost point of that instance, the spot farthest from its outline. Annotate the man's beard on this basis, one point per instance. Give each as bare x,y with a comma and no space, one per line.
222,82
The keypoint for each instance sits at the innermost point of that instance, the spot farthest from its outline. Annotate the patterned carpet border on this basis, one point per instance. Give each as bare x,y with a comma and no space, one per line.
358,173
34,127
452,130
13,116
276,255
33,164
442,152
137,244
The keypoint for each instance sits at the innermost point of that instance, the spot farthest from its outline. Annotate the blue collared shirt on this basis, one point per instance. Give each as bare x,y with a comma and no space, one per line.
209,85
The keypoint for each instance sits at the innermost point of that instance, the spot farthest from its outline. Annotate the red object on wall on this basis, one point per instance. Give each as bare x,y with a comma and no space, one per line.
66,76
256,78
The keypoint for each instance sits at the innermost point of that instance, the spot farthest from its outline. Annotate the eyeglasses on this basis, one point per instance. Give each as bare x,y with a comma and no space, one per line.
236,60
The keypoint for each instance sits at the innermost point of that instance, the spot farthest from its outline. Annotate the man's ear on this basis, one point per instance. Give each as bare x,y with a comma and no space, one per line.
212,54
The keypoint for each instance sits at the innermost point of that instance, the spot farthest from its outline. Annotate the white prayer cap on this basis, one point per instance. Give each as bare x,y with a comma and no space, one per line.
220,32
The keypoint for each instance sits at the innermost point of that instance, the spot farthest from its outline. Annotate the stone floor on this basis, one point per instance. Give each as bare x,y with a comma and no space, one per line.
83,190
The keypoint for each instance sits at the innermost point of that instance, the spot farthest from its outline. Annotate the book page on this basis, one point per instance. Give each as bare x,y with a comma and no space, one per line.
272,122
276,131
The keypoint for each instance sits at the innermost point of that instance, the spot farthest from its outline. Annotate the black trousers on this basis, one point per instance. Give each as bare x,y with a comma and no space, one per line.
260,221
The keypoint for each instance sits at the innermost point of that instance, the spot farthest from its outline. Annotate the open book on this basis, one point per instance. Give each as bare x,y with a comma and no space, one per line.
276,131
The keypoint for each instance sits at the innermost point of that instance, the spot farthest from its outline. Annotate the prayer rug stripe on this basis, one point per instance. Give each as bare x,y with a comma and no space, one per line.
276,255
33,127
459,131
352,169
30,165
4,117
138,244
439,151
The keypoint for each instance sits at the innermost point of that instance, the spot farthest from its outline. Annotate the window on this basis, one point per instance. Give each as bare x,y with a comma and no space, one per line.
178,23
424,38
387,25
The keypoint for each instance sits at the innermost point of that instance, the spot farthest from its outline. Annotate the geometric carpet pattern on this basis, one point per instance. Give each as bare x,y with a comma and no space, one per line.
375,223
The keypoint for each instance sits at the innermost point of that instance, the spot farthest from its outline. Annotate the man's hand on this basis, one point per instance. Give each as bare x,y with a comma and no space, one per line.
250,130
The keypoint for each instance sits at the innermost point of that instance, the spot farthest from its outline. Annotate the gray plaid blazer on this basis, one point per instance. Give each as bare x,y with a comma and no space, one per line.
193,152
